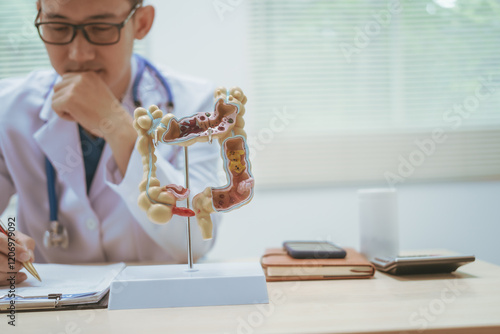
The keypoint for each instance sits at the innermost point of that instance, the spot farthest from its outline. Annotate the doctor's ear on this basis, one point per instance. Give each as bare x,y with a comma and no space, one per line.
144,18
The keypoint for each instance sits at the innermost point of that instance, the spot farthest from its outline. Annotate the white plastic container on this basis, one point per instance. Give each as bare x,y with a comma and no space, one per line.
378,222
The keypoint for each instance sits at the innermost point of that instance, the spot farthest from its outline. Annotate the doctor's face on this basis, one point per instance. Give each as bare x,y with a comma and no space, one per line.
110,62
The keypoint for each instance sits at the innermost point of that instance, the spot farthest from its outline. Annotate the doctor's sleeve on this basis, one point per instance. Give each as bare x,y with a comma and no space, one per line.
7,188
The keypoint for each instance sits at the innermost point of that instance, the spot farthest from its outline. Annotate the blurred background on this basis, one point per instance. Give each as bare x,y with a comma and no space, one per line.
343,95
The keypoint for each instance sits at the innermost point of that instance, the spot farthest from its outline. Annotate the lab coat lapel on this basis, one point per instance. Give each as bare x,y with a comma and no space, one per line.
60,142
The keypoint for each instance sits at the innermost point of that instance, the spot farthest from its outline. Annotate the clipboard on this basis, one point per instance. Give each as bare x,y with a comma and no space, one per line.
63,287
57,302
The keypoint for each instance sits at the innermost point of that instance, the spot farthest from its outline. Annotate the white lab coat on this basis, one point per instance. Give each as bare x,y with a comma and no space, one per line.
106,225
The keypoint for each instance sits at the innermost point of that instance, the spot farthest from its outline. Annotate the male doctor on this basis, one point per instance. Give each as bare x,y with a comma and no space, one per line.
79,117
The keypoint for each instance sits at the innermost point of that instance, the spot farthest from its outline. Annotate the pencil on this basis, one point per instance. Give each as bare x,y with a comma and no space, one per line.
28,265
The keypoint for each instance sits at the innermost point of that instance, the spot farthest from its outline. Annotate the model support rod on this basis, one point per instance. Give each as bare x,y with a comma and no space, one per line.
188,226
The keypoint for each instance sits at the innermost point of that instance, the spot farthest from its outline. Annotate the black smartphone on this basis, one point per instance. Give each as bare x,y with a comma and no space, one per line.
313,250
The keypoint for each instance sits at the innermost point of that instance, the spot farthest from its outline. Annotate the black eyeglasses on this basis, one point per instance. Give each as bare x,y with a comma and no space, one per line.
99,33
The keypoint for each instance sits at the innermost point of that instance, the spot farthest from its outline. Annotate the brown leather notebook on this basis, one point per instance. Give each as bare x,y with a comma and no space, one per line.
279,266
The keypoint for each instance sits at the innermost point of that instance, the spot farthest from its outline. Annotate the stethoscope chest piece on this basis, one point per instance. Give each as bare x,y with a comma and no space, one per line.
56,235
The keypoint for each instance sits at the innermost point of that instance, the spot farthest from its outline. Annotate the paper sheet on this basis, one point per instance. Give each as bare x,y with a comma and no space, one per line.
66,279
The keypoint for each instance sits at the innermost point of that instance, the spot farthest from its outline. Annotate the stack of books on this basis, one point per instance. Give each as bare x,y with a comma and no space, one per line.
279,266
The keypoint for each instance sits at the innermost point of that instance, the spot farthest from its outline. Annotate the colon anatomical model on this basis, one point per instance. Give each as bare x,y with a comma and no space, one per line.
225,123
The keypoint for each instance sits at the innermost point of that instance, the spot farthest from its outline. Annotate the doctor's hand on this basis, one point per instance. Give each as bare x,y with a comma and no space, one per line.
85,98
24,251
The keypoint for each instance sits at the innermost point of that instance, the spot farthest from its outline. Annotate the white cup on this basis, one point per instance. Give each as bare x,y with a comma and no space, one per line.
378,222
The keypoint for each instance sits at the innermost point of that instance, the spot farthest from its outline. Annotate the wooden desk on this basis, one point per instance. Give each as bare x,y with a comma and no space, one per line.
467,301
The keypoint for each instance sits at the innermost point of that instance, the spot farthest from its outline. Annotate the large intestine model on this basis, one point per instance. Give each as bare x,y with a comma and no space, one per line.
225,123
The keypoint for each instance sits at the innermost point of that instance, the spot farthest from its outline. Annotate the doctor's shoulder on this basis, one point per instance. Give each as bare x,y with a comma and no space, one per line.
25,94
191,94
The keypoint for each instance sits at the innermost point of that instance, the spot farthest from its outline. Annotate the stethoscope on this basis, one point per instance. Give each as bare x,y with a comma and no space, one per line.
57,234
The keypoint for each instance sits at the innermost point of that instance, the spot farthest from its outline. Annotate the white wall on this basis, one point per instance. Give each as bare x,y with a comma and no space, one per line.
192,37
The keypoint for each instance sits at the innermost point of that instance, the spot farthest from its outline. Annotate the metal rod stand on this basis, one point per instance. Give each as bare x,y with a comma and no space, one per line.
188,226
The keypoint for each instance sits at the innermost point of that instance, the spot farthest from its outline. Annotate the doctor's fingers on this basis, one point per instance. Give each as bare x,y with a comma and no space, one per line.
15,248
77,79
8,269
6,279
59,107
10,279
9,265
66,116
63,102
68,79
28,242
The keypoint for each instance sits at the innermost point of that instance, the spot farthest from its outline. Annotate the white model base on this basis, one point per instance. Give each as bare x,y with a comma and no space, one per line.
207,284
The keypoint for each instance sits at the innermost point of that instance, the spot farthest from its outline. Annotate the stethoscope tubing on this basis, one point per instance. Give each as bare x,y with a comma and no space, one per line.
142,64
